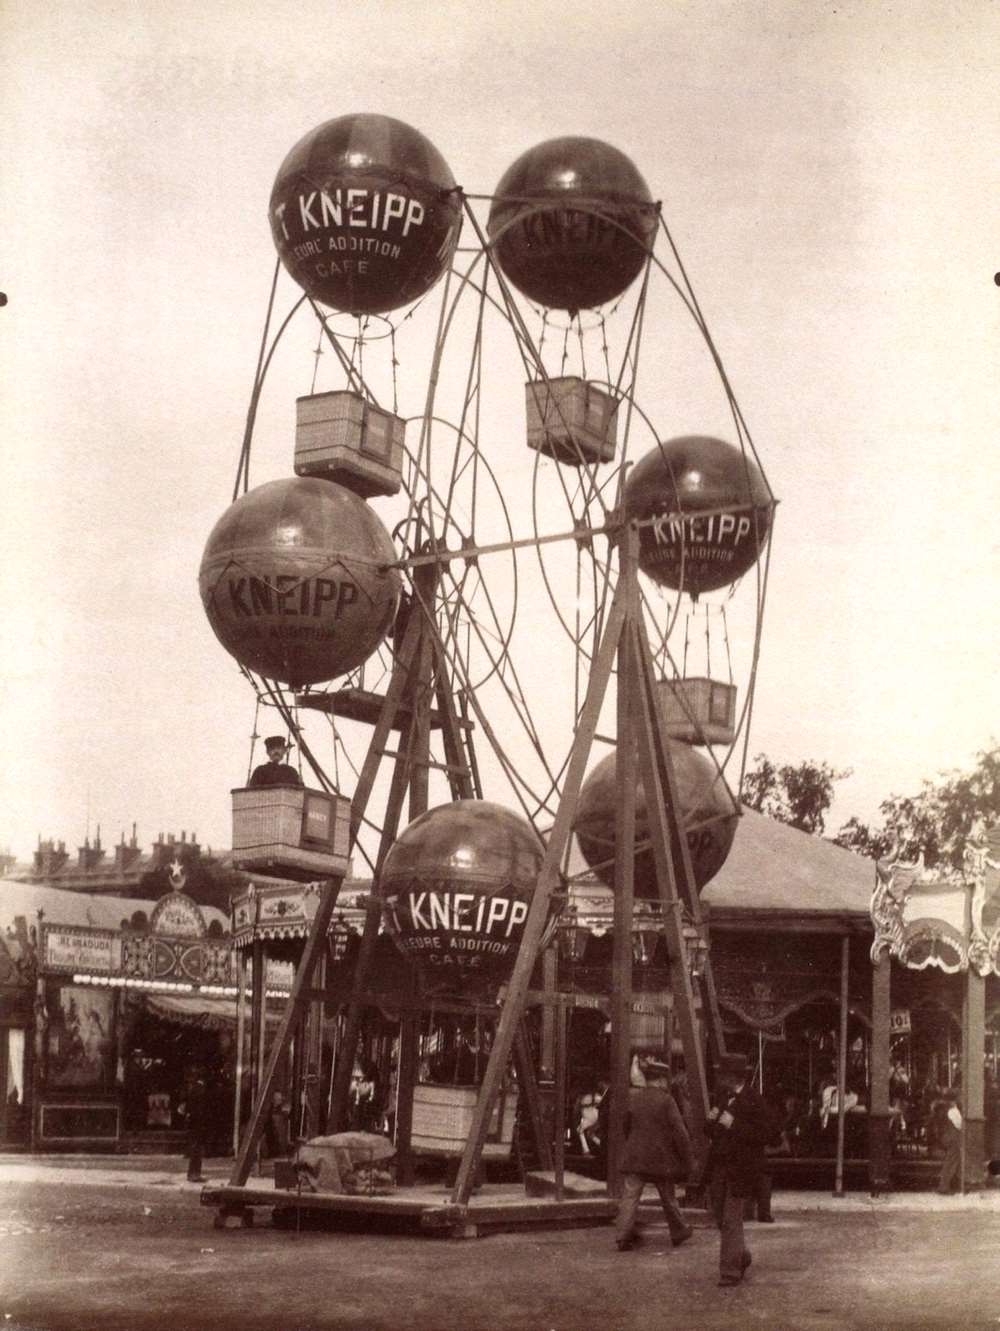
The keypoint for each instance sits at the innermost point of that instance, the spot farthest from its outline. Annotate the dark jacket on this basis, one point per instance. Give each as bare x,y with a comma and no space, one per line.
736,1153
656,1142
275,774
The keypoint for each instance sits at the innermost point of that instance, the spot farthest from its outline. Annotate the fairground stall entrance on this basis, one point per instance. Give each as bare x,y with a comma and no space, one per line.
936,957
127,995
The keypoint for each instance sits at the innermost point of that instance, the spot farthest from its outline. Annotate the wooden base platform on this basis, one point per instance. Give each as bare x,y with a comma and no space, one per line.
427,1210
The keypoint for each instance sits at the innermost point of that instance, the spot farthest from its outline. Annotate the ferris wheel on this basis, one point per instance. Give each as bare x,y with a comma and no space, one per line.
500,492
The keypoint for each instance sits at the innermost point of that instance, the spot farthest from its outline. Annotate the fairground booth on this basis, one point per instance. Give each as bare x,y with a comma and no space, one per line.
837,982
791,938
107,1003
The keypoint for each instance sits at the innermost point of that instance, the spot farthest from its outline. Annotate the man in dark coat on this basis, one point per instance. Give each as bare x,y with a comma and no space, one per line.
739,1127
195,1109
275,772
658,1151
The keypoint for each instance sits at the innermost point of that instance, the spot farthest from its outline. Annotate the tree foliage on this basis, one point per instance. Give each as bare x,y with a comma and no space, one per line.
798,795
935,823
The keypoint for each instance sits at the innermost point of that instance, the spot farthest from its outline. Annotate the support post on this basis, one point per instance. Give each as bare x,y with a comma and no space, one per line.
241,1031
879,1141
538,911
259,1016
838,1183
626,771
559,1116
406,1076
528,1087
290,1023
973,1106
550,974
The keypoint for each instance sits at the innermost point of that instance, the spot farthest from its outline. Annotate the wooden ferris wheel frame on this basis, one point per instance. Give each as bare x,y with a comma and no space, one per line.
644,755
420,674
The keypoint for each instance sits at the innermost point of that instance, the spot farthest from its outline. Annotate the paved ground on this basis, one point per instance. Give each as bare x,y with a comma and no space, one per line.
123,1245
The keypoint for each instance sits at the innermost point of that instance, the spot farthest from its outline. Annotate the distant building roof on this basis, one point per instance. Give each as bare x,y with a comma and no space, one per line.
129,873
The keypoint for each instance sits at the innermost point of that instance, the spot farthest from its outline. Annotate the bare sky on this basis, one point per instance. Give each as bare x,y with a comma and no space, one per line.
830,173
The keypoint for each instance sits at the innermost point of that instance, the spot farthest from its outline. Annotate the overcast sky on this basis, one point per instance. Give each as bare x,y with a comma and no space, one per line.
829,172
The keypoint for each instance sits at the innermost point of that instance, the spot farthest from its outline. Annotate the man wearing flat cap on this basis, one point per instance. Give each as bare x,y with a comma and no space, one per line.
657,1150
739,1127
275,772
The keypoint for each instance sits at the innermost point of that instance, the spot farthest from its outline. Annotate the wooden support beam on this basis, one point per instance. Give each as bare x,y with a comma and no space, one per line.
559,1115
624,876
364,706
666,833
537,917
680,853
399,692
879,1144
315,944
845,958
973,1080
528,1087
241,1026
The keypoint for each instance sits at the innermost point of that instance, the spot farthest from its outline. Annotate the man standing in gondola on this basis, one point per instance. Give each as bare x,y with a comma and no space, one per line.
275,772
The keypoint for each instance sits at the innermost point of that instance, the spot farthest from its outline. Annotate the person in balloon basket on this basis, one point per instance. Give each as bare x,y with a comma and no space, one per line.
739,1127
275,772
657,1150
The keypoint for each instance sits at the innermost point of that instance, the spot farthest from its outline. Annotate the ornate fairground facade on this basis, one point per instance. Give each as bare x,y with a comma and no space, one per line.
946,923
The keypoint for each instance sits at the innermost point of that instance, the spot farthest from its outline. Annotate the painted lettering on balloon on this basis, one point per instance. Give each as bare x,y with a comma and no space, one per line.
322,209
572,228
288,594
716,529
462,913
334,269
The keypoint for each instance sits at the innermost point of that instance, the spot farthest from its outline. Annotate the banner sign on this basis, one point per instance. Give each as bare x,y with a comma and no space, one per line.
83,950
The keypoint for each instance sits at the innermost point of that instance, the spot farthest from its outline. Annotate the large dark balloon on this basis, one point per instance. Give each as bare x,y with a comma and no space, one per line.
365,214
456,887
712,511
707,810
572,222
294,581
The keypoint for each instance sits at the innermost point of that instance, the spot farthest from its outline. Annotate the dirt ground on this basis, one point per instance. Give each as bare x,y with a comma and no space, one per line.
118,1250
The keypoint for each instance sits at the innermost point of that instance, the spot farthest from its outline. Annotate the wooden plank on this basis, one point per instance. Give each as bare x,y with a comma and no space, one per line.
364,706
312,1201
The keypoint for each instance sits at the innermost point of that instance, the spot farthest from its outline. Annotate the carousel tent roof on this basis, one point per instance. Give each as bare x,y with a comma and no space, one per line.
774,867
61,906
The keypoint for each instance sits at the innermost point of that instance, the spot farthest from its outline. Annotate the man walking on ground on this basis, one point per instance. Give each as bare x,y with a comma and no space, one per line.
658,1151
739,1127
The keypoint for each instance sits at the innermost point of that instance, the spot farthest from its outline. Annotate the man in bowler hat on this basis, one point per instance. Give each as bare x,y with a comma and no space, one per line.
739,1126
275,772
657,1150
